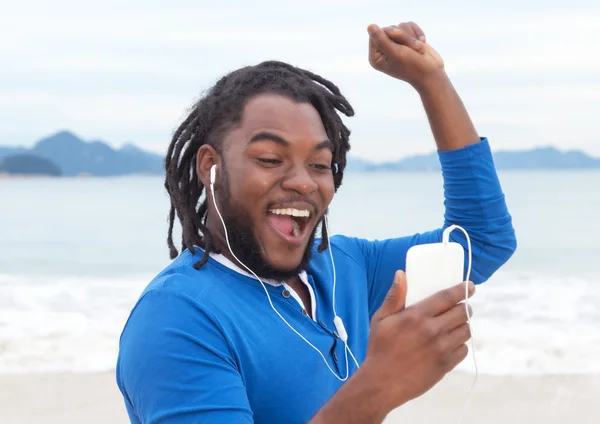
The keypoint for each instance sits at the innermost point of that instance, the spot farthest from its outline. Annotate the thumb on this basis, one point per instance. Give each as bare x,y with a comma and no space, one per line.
380,38
396,297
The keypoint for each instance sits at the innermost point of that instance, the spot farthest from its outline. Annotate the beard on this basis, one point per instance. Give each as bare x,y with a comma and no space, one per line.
244,244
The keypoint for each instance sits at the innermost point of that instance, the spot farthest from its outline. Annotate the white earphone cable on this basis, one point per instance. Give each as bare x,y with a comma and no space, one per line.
445,239
337,320
345,339
271,303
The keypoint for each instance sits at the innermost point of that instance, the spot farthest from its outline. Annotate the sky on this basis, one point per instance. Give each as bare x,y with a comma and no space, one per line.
527,71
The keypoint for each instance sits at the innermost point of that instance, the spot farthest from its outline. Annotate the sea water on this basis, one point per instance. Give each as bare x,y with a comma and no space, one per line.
75,253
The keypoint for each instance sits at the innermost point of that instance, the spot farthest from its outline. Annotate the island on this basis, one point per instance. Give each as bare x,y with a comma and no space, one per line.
67,155
28,165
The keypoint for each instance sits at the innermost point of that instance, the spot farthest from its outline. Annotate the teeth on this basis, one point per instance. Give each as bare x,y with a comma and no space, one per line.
296,228
292,212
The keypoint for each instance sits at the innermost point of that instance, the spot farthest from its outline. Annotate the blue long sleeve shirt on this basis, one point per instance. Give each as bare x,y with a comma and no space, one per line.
205,345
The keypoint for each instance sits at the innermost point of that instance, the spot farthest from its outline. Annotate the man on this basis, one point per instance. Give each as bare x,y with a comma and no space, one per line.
242,327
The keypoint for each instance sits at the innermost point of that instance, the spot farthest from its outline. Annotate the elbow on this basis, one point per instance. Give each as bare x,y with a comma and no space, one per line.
495,251
505,249
511,245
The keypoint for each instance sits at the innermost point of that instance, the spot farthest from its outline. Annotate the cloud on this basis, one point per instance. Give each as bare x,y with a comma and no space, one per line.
128,71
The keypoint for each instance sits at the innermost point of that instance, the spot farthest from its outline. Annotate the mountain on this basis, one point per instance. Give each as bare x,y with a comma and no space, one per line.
535,159
75,156
545,158
357,165
28,164
5,151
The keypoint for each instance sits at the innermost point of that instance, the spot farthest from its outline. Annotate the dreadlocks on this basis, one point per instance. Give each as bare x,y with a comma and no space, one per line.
218,111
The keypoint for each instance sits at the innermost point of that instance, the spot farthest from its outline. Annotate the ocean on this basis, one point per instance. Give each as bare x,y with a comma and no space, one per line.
75,253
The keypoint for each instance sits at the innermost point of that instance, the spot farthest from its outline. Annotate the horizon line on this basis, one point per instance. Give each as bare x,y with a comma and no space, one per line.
371,161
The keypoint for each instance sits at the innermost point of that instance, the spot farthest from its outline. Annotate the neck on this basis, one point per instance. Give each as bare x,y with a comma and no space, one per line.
219,241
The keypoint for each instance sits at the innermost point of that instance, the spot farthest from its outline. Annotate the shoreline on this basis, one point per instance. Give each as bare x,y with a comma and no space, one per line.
94,398
7,176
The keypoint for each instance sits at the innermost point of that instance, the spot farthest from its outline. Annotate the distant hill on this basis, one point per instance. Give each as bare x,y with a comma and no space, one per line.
546,158
5,151
75,156
355,164
28,164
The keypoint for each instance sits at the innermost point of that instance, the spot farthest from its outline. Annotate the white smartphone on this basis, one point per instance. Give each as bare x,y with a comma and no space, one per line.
433,267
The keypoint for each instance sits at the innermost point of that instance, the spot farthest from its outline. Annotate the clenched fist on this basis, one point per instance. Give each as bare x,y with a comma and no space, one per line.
401,51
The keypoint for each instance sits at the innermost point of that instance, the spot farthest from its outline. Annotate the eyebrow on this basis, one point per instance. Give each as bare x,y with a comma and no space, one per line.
264,135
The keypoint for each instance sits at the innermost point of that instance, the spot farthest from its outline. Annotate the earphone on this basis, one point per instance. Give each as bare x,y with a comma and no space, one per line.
337,321
339,324
213,176
445,240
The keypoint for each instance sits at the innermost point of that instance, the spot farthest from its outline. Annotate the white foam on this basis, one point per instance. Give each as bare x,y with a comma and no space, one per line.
523,323
526,324
63,323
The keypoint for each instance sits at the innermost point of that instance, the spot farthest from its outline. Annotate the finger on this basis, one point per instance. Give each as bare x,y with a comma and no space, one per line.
444,300
456,357
419,34
381,40
408,29
395,299
400,36
453,318
457,337
375,55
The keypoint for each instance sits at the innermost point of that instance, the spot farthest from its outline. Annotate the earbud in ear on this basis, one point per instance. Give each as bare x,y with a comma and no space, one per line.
213,174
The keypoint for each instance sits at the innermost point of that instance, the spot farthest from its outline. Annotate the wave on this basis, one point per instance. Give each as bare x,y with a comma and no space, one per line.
523,323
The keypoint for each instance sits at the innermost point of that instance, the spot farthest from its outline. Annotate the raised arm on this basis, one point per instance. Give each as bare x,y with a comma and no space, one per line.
402,53
472,190
474,200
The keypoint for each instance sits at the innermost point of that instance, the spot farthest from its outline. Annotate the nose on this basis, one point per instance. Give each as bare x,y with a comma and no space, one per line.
299,180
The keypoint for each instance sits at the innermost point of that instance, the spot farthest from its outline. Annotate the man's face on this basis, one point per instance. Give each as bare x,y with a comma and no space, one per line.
276,186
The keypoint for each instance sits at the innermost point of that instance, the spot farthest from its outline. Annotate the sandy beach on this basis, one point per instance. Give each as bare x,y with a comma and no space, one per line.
94,398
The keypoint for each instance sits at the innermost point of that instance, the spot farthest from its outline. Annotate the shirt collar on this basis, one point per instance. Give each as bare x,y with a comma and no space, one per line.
302,275
229,264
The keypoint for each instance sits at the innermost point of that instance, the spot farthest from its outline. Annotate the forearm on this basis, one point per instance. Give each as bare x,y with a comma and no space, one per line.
449,120
358,401
472,191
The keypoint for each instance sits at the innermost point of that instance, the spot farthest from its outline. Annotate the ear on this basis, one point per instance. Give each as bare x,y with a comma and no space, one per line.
206,157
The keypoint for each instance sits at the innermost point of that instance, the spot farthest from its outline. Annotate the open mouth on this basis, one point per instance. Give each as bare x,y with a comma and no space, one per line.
290,222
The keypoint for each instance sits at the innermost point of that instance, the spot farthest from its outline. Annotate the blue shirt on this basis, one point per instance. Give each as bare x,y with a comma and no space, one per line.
205,346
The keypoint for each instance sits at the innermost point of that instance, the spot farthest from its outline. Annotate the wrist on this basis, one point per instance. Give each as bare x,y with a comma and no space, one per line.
374,387
432,83
362,399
